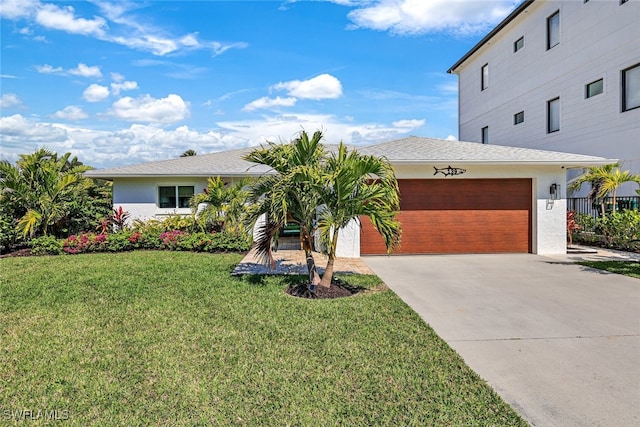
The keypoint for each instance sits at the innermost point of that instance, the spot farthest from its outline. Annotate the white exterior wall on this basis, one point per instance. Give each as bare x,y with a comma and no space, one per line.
548,217
139,196
598,39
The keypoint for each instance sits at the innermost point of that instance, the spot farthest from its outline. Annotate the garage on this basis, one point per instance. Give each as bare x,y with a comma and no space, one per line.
454,216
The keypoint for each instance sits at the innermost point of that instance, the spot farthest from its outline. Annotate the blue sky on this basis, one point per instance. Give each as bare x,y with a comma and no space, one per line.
122,82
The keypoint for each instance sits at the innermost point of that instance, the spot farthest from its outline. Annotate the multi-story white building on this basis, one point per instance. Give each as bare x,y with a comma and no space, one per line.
560,76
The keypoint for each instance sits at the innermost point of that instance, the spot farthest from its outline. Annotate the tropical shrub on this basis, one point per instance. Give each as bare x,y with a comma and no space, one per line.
46,245
620,228
7,232
85,242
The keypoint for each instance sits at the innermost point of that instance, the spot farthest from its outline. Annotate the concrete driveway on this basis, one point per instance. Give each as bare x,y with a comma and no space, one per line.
559,342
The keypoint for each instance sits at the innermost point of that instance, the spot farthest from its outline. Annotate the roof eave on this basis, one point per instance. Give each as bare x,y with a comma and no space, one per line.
568,163
513,15
181,175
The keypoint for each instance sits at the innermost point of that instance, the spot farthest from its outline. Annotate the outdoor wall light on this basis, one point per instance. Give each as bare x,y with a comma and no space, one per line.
554,192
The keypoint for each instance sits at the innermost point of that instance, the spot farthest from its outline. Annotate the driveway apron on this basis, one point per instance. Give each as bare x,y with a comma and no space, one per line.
558,341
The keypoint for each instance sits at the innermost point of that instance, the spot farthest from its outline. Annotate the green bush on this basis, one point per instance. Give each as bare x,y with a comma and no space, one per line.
46,245
620,228
586,222
121,242
7,233
232,241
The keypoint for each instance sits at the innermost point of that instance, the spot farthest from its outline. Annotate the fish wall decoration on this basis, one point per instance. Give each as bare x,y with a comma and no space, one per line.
449,171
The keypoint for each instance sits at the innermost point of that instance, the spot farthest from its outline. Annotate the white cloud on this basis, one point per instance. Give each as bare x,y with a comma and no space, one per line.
266,102
151,142
117,77
17,130
324,86
84,70
409,124
121,29
150,110
15,9
95,93
70,112
461,17
451,138
64,19
125,85
9,100
48,69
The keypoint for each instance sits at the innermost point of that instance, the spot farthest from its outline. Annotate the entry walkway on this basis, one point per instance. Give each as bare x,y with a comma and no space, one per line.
558,341
290,261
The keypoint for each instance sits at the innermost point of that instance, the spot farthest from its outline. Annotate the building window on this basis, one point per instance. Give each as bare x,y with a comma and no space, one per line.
484,77
485,135
553,30
518,118
175,196
553,115
518,44
631,88
594,88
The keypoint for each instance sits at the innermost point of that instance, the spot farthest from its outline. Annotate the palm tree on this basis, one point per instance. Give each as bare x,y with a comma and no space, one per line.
225,205
604,180
613,180
358,186
190,152
289,194
40,188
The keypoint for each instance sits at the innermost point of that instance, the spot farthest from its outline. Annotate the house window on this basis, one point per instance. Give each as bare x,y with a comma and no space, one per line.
631,88
175,196
553,115
553,30
518,118
484,77
518,44
594,88
485,135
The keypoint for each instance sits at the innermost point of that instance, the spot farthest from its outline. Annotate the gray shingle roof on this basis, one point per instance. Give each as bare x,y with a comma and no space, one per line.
411,150
224,163
429,150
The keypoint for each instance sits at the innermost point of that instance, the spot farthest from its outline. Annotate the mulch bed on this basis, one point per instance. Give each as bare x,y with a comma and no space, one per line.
19,252
338,289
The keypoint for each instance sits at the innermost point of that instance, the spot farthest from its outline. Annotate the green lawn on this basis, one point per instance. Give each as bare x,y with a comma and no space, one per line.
627,268
170,338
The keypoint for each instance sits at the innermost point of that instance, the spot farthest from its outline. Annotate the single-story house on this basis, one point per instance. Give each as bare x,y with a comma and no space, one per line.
456,197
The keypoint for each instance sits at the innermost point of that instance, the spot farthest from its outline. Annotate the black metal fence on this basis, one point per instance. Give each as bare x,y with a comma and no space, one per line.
584,205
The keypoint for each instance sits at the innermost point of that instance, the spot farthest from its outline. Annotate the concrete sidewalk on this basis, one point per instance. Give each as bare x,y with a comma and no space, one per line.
558,341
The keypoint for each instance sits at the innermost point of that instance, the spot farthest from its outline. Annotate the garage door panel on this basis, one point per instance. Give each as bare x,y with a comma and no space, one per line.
485,216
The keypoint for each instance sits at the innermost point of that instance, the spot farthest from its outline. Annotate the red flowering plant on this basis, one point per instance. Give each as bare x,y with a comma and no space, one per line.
170,239
85,242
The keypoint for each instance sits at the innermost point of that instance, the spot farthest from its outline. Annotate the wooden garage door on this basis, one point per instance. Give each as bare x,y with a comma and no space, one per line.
451,216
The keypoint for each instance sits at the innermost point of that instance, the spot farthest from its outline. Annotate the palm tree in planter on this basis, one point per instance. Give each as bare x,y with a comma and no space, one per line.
357,186
288,195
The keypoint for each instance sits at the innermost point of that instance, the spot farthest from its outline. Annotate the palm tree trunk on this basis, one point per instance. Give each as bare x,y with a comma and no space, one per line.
314,277
331,258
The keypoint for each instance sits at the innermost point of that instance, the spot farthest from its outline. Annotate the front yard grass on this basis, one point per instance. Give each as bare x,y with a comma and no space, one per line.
170,338
628,268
